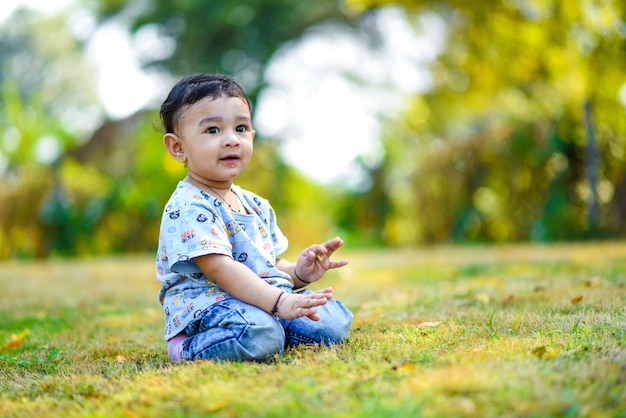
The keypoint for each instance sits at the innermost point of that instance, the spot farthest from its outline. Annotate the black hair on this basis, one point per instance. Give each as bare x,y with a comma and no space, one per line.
196,87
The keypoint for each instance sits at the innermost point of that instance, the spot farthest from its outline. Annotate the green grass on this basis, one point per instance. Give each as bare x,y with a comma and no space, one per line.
516,330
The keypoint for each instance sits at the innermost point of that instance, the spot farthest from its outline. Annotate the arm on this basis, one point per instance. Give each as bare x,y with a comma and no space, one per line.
241,282
312,263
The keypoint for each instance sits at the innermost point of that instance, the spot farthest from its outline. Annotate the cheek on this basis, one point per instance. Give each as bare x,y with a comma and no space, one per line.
249,148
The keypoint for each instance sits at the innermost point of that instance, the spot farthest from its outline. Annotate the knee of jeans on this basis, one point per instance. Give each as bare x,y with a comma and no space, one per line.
340,329
263,340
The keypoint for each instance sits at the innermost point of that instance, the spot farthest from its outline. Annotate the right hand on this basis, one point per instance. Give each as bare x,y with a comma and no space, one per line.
295,305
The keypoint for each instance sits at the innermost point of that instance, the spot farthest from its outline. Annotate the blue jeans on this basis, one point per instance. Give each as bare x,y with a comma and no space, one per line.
235,330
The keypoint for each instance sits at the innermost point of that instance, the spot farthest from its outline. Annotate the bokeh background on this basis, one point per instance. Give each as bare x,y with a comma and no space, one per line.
390,123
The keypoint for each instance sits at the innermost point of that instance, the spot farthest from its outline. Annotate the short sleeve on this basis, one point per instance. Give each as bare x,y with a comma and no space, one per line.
191,228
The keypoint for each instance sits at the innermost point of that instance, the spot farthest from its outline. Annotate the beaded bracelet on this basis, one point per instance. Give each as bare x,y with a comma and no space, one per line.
275,308
298,276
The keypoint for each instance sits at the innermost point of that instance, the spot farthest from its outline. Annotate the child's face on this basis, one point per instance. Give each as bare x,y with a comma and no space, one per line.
216,139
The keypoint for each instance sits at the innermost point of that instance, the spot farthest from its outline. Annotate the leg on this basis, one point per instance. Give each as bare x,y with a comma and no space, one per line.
234,330
332,328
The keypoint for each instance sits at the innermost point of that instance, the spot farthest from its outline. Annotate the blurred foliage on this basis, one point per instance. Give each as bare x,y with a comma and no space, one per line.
45,85
498,149
228,36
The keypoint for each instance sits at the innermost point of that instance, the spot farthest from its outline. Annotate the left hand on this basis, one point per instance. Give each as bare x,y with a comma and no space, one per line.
315,260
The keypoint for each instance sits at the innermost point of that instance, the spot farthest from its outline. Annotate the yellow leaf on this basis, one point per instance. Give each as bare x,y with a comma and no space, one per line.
406,367
577,300
543,353
16,340
216,406
553,352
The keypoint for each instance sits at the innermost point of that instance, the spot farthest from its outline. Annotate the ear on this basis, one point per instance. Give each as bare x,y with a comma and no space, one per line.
174,146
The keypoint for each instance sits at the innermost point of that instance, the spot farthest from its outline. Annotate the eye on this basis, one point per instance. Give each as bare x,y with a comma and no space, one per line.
241,128
213,130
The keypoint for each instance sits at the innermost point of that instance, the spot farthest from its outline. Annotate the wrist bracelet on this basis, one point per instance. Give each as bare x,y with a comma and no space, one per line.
275,308
298,276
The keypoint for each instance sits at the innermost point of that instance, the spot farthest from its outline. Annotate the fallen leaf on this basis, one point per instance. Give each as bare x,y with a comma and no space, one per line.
120,358
553,352
539,351
594,281
577,300
216,406
406,367
507,300
428,324
16,339
543,353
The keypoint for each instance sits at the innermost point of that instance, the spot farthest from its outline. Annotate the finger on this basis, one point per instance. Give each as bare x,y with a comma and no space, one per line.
302,312
319,300
319,252
314,317
337,263
312,254
326,293
326,289
333,244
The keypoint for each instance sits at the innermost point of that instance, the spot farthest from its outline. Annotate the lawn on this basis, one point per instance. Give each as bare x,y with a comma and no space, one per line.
516,330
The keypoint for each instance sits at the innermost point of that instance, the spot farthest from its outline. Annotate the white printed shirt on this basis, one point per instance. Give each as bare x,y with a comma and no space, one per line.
195,223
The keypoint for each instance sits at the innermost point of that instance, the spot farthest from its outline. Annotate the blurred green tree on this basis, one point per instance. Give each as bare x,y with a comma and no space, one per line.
520,136
498,149
229,36
47,105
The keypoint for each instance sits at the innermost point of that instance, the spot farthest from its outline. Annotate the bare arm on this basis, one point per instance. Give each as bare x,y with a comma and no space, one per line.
241,282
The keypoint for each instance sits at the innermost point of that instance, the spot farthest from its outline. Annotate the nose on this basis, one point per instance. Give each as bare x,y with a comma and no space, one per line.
232,139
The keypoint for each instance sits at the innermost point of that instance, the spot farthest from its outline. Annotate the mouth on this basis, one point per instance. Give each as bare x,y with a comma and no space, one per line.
230,158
